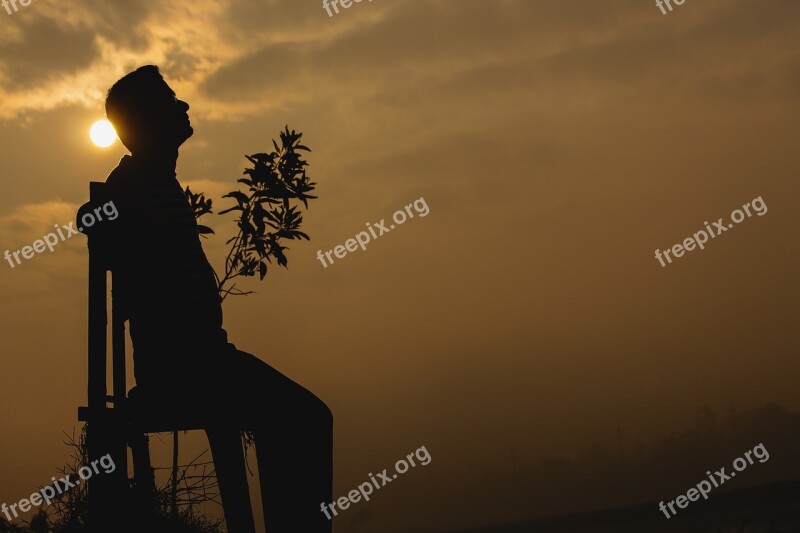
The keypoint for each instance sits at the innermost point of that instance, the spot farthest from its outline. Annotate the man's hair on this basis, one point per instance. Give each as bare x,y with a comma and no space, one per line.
130,103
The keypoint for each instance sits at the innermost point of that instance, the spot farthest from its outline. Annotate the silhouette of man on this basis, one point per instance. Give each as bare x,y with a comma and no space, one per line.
182,358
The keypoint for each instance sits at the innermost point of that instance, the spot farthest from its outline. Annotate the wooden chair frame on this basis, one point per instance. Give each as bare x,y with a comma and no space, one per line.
111,429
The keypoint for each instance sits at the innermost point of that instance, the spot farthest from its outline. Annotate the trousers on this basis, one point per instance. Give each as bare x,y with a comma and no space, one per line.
293,430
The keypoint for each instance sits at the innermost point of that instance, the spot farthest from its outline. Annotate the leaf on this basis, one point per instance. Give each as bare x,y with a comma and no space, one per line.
203,230
234,208
278,253
239,196
247,228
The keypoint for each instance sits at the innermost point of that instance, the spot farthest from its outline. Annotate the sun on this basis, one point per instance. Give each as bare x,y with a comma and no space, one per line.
103,134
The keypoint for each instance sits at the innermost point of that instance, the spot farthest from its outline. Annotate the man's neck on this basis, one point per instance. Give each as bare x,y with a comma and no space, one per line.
163,164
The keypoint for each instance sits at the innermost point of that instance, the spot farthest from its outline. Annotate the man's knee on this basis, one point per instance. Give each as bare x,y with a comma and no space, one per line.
326,415
319,412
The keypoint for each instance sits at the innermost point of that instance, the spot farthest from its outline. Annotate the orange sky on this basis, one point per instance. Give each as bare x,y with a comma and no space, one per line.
558,143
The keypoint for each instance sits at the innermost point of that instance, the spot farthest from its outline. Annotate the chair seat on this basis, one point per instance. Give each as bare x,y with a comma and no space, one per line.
149,411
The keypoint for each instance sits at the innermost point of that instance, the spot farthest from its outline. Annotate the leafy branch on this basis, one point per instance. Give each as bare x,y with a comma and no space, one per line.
266,215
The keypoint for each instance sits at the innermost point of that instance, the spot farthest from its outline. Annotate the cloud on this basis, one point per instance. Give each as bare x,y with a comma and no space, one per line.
234,59
48,272
181,36
67,49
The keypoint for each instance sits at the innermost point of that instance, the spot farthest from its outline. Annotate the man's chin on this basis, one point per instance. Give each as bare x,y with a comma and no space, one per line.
187,133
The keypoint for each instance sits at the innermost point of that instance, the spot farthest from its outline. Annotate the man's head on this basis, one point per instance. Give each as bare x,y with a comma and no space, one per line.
146,113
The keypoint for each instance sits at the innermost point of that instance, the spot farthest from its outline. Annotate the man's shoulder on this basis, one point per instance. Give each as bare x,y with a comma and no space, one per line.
118,189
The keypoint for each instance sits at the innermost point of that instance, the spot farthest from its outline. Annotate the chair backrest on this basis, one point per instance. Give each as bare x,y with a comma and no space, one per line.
100,264
106,427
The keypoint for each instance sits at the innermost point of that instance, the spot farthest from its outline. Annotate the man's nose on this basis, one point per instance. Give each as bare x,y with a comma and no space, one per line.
184,105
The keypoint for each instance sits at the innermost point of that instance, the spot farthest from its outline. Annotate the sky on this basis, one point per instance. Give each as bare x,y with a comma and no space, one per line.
557,144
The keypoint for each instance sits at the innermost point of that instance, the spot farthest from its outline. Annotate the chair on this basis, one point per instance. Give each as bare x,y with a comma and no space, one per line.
111,429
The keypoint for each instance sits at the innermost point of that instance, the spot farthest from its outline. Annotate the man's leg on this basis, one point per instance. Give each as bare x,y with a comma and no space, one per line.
226,450
295,466
294,442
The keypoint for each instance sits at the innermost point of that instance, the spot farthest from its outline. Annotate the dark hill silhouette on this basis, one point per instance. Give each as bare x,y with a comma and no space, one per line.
615,486
773,508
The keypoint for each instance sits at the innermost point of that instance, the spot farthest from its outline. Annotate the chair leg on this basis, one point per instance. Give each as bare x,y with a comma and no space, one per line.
143,474
107,493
